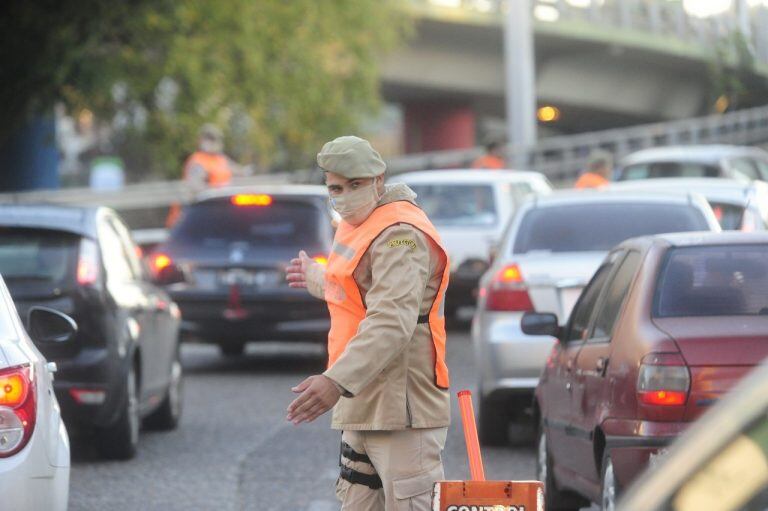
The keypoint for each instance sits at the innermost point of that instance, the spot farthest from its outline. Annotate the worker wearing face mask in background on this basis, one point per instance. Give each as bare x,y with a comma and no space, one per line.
384,284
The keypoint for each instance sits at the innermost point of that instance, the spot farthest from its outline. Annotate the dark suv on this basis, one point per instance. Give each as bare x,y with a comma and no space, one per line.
231,246
123,364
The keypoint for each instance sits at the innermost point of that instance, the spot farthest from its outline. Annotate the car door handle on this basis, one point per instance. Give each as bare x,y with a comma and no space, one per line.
600,364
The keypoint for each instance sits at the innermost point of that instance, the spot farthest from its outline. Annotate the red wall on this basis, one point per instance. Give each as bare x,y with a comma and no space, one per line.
435,126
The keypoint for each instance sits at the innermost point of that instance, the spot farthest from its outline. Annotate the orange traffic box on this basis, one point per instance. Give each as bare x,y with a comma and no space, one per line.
479,494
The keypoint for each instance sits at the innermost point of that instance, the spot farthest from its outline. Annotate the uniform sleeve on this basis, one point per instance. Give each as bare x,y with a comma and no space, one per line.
316,280
399,274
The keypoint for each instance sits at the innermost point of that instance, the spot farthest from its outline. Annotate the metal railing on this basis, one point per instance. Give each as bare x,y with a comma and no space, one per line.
655,17
562,158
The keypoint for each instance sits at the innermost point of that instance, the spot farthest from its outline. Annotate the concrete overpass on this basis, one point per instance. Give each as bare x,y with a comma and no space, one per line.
607,64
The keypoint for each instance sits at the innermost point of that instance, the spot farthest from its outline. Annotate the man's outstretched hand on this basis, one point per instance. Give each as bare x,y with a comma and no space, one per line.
296,272
317,395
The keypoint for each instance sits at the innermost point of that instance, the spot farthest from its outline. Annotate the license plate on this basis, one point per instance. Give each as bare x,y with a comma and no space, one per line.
250,279
568,298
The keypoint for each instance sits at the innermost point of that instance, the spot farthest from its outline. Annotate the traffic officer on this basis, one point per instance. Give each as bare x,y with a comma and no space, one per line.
387,379
599,170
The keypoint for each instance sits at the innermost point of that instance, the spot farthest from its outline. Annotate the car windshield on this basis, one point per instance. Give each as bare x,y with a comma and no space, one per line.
280,223
457,204
38,261
598,227
668,169
714,281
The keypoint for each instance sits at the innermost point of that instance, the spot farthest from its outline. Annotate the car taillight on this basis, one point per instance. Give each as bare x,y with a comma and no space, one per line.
663,380
320,259
507,291
17,409
88,263
247,199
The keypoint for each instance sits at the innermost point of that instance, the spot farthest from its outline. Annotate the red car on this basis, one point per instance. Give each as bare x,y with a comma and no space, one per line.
666,326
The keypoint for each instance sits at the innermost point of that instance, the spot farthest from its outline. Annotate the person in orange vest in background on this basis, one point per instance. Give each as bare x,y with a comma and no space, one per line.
599,171
208,166
492,159
387,380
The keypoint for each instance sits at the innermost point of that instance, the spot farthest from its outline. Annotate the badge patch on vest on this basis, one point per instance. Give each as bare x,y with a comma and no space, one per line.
402,243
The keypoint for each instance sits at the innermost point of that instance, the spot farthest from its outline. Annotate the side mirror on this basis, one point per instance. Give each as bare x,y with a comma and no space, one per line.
50,326
168,275
537,323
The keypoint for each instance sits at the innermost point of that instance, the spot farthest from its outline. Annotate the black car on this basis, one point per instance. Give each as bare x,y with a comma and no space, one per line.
123,364
231,246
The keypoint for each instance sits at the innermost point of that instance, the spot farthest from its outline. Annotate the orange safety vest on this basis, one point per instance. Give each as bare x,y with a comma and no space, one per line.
215,165
591,180
488,161
345,302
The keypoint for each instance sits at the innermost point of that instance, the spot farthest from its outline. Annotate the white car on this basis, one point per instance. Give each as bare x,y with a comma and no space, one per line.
34,446
470,209
738,205
551,249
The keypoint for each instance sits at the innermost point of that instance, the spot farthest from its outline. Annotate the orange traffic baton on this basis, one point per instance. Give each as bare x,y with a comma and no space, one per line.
477,494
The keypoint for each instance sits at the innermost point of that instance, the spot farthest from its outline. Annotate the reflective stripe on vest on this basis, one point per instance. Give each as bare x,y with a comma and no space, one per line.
343,296
216,167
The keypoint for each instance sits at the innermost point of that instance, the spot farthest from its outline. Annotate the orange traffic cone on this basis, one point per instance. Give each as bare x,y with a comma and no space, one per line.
477,494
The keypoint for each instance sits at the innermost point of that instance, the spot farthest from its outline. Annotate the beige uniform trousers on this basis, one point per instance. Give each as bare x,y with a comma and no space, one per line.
408,462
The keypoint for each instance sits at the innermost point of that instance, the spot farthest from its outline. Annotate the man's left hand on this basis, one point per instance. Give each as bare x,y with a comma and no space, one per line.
318,394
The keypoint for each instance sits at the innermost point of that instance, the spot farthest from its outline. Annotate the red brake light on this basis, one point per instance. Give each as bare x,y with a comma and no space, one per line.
321,259
663,380
17,409
251,200
507,291
88,263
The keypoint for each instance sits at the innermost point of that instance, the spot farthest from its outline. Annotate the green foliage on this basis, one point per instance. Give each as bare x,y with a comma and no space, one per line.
279,76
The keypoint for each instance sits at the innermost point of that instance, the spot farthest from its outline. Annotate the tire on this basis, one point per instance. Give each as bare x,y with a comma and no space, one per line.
232,349
493,421
120,441
609,487
554,499
168,414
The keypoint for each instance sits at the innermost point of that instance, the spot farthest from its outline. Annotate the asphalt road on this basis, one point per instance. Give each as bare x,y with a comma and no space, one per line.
235,451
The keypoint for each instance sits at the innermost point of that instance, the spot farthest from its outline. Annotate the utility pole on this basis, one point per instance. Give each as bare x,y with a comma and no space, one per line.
520,79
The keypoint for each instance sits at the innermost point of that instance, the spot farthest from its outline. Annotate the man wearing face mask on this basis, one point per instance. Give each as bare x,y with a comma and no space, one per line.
386,379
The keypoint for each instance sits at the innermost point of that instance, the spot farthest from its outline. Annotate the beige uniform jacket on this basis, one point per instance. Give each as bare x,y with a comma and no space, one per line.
388,369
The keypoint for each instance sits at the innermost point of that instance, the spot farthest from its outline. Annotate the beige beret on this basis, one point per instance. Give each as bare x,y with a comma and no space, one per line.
351,157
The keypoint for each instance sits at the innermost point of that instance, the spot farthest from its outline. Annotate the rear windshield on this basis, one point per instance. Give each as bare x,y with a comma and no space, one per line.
588,227
729,215
457,205
668,169
284,222
713,281
37,261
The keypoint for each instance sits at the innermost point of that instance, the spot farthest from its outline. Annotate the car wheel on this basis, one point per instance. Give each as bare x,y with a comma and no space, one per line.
554,499
609,487
167,416
120,440
493,421
232,349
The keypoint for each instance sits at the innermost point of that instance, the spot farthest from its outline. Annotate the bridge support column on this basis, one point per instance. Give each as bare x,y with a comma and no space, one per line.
438,125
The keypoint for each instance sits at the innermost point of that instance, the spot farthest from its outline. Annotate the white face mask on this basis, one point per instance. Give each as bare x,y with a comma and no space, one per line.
357,204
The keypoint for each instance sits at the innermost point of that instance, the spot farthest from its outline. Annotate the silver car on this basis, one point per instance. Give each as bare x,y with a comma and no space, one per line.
548,253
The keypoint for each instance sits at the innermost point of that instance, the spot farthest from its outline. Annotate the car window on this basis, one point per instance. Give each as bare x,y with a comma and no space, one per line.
734,478
615,294
600,227
582,311
113,255
457,205
38,261
729,216
713,281
668,169
744,168
273,222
